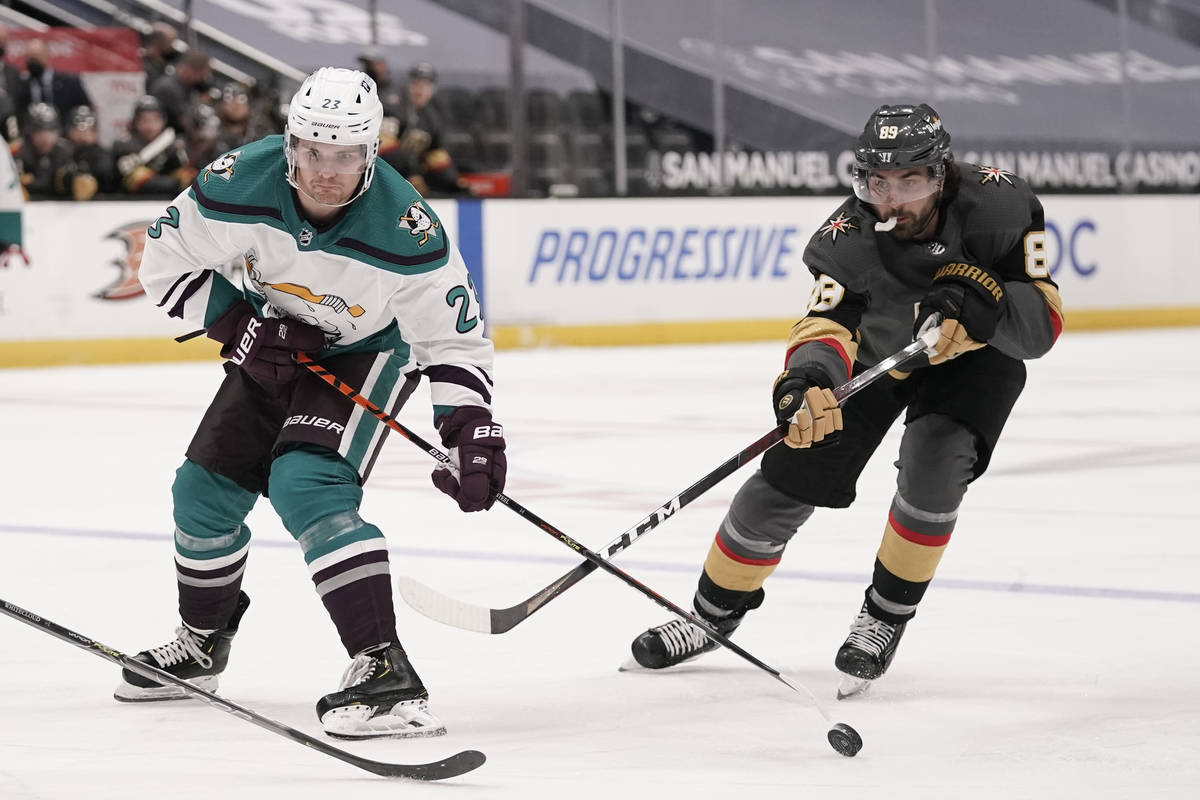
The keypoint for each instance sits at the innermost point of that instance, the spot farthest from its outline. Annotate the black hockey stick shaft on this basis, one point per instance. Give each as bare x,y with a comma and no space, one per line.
456,764
502,620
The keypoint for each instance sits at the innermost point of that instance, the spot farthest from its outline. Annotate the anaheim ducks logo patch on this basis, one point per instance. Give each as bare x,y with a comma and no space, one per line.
995,175
222,167
419,223
842,225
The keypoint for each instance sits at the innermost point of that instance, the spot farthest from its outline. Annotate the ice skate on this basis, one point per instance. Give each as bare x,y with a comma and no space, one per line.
380,696
196,658
867,652
676,642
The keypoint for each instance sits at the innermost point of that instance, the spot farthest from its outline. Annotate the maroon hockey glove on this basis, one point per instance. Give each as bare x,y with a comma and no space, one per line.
476,444
264,348
972,295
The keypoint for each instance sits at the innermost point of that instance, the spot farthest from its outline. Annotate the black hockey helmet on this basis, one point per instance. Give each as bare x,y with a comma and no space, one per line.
43,117
234,92
901,137
146,103
82,117
424,71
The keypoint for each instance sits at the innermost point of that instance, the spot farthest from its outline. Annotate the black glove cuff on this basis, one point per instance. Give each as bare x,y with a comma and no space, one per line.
452,425
227,326
986,284
791,385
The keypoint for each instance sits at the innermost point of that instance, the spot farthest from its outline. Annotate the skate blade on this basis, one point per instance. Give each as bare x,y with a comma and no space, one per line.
382,727
128,693
630,665
356,722
401,733
852,687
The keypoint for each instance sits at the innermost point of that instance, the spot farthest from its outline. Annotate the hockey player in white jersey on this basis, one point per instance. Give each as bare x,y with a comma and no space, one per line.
338,256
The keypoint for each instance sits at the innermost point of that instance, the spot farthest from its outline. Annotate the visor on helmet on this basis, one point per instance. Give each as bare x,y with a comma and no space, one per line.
895,186
344,159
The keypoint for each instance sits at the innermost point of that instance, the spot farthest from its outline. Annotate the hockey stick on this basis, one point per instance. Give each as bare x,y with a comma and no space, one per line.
449,611
841,736
456,764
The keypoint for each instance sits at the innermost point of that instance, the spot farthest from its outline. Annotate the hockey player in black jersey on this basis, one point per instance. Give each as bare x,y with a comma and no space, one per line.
924,242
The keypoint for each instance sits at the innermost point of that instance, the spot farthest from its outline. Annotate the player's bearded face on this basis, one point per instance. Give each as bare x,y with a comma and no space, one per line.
329,173
911,196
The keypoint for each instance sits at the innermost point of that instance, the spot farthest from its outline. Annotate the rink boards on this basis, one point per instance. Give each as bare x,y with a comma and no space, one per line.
605,271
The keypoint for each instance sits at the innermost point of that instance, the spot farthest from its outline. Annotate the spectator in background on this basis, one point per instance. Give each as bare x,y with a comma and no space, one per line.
159,53
10,88
92,167
44,158
153,159
188,86
416,151
377,68
10,80
238,122
41,83
202,140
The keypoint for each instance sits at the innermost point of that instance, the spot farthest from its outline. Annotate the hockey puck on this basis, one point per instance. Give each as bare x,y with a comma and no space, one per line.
844,739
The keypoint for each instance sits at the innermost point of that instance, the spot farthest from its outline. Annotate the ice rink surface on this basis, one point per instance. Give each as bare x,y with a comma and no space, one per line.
1056,654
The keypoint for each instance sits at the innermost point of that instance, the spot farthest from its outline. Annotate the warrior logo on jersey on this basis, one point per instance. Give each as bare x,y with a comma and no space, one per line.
995,175
935,248
305,237
133,237
842,225
222,167
419,223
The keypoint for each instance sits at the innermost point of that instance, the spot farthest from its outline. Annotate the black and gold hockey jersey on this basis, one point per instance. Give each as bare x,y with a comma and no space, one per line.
868,283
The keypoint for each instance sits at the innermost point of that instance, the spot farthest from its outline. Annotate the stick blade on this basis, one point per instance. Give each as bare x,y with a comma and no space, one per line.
443,608
450,767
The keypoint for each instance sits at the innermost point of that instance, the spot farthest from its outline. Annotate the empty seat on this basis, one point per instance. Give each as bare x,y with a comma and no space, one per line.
492,108
543,179
588,149
458,105
592,182
586,111
495,149
637,146
669,138
547,150
463,148
545,110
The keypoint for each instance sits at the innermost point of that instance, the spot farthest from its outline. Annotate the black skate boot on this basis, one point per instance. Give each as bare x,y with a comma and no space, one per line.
381,695
674,643
867,652
195,658
678,641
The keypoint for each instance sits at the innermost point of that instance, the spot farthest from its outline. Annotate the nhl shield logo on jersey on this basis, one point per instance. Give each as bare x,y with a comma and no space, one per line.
305,236
221,167
994,175
419,223
842,225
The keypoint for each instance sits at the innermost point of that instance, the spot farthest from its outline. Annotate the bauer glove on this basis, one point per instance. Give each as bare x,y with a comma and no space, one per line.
265,348
476,445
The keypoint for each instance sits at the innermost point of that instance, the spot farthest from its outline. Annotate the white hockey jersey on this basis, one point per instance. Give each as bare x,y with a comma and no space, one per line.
382,277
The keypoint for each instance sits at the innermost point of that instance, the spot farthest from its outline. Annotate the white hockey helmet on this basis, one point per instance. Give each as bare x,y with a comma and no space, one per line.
340,107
